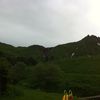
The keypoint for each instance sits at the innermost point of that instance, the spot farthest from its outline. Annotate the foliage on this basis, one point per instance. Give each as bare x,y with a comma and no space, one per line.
47,77
18,72
4,65
30,94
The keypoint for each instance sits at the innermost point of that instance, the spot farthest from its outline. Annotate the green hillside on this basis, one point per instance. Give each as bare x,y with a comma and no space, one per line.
88,46
74,66
29,94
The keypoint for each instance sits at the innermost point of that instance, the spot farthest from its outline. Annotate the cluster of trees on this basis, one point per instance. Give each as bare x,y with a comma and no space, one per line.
13,69
48,77
44,76
27,60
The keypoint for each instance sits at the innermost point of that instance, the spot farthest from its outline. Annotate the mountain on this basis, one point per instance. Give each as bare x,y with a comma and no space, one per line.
80,62
88,46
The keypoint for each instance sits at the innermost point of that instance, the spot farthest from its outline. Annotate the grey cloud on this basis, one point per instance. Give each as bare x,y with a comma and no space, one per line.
44,22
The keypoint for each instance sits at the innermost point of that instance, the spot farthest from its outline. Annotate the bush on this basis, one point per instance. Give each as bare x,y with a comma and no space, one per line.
47,77
14,91
18,72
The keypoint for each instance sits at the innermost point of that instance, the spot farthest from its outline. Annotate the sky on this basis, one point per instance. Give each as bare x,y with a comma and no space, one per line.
48,22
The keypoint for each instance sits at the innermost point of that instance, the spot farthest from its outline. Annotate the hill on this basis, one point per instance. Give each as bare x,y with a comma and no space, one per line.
73,66
88,46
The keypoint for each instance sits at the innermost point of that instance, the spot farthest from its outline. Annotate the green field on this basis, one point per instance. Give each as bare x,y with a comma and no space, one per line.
22,93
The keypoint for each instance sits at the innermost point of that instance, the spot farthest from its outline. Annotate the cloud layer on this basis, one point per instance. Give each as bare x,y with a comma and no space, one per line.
47,22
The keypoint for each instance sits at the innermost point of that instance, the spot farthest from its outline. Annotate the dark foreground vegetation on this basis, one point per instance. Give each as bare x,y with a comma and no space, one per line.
22,93
26,71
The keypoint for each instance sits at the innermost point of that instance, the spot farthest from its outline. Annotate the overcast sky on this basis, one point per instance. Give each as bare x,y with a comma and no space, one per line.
48,22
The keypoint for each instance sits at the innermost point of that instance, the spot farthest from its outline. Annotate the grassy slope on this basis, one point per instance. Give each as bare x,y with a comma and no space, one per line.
82,73
33,51
28,94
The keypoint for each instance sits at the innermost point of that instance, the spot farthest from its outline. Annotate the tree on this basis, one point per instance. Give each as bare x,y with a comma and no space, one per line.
18,72
3,75
3,80
48,77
